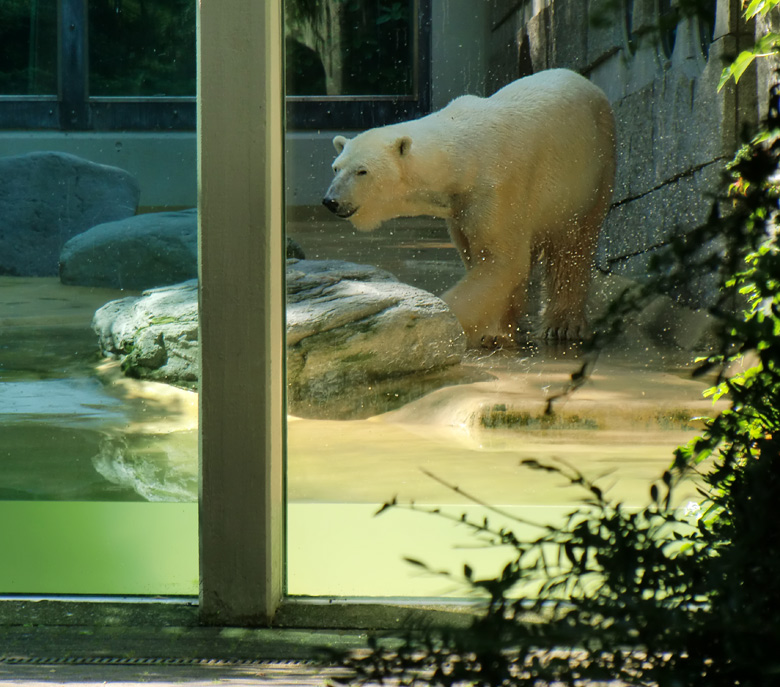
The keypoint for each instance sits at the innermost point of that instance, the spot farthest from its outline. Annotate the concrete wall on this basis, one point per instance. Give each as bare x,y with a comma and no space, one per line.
165,164
674,130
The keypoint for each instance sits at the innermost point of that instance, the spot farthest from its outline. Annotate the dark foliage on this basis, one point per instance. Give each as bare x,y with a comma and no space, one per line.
370,32
28,47
142,48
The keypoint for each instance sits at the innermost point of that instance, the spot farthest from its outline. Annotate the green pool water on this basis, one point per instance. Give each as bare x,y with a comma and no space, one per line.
98,476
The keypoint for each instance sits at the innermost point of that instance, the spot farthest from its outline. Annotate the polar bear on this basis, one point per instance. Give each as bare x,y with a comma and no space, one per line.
523,176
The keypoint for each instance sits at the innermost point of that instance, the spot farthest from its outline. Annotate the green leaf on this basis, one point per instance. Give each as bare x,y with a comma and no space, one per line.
737,68
753,8
761,7
765,46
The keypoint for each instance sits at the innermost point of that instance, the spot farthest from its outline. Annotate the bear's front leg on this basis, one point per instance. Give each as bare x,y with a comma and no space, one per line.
480,301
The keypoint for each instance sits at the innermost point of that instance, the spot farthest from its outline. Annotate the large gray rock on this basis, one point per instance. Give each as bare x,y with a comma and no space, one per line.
46,198
154,335
140,252
358,341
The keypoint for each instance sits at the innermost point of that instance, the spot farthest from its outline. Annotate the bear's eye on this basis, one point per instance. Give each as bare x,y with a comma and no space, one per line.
361,172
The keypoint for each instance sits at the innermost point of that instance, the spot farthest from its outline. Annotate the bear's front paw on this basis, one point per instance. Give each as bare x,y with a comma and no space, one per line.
494,342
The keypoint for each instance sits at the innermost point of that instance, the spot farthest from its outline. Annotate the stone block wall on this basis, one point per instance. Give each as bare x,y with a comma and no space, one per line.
675,131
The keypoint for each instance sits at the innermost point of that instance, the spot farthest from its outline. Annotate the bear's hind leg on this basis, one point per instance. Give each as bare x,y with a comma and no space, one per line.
569,258
568,262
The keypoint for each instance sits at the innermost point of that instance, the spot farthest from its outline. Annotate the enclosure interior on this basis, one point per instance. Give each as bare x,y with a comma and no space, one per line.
100,419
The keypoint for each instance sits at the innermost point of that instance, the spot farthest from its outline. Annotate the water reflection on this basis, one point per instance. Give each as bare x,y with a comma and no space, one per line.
73,427
154,467
59,401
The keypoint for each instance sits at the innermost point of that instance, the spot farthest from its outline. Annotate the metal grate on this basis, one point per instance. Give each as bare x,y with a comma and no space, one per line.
148,661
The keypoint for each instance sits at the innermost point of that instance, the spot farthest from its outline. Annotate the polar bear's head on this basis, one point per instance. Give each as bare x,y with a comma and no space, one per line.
369,179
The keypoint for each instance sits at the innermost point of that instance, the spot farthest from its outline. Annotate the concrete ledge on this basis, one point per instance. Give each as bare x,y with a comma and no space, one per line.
165,164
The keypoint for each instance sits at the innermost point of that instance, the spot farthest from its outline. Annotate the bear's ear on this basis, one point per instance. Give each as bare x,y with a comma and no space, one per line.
339,142
403,145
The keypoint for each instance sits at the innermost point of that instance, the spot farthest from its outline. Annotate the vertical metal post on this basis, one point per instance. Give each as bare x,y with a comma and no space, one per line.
32,50
240,136
73,65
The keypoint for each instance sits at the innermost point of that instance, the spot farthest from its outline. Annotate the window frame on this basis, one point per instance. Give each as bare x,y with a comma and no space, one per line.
242,509
242,401
73,109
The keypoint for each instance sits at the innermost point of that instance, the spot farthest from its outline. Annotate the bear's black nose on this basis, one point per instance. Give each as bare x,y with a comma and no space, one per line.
331,203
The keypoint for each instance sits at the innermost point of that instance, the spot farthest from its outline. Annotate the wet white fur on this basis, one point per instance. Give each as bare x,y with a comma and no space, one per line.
523,175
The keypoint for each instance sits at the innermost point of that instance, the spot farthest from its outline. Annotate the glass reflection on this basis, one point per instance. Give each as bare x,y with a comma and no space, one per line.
141,48
28,47
329,44
98,343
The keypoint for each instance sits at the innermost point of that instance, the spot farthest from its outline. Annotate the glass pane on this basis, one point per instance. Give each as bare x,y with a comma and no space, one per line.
385,400
28,47
329,45
139,48
98,362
